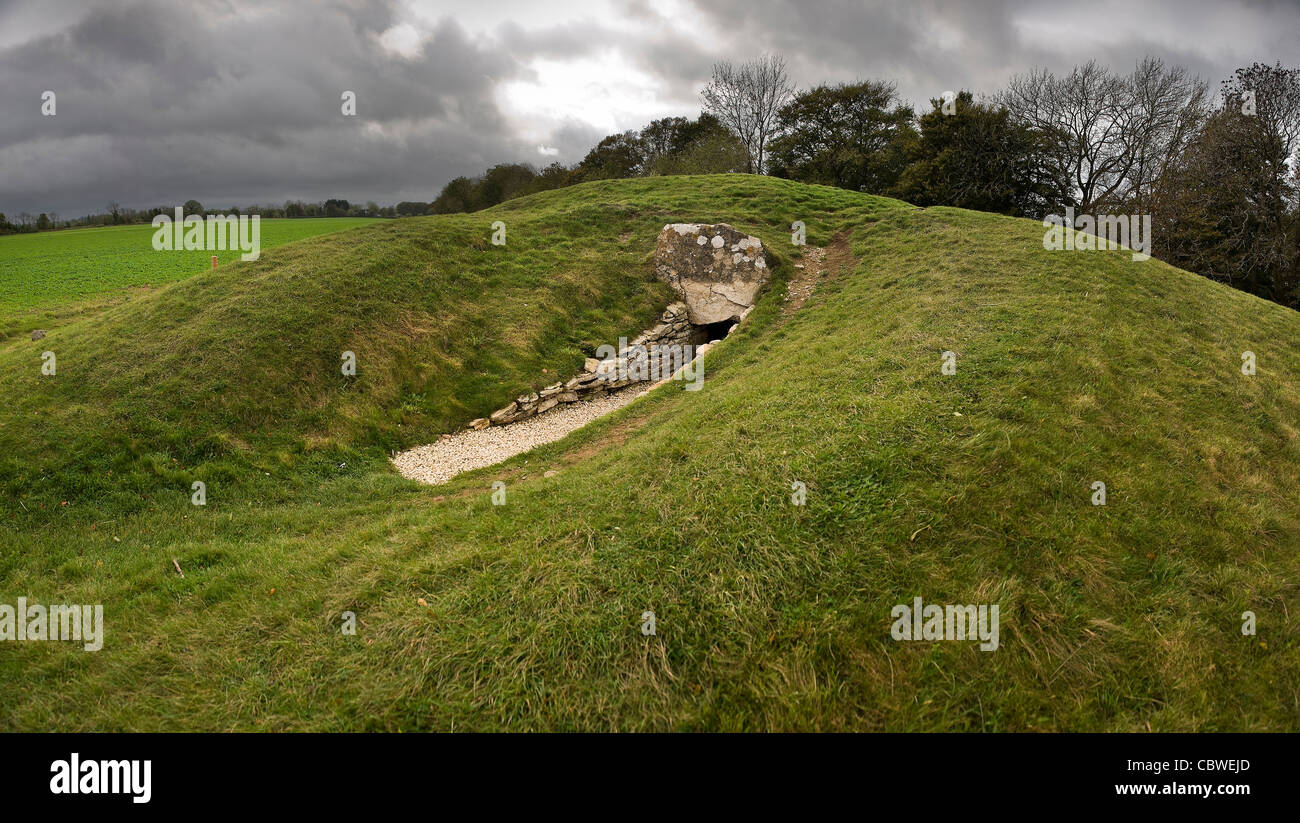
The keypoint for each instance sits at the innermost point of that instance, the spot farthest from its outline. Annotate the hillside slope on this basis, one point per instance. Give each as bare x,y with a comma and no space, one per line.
972,488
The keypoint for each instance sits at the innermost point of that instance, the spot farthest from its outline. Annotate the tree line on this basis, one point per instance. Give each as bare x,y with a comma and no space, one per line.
670,145
1217,173
117,215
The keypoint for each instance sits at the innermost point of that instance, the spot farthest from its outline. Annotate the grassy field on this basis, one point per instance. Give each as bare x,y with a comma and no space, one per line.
45,275
971,488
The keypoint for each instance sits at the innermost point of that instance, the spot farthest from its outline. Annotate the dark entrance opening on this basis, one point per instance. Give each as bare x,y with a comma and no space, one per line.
718,330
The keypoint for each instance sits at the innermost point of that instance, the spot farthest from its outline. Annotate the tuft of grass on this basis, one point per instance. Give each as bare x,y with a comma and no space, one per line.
971,488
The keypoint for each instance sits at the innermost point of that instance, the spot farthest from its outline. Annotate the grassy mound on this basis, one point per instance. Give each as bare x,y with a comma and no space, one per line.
972,488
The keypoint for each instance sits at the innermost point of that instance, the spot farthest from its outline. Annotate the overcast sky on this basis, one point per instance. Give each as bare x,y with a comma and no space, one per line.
233,102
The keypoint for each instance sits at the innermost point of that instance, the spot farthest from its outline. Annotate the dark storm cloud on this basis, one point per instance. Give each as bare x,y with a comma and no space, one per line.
235,102
157,103
928,46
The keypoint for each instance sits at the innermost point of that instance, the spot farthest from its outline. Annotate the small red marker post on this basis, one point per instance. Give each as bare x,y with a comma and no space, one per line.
214,261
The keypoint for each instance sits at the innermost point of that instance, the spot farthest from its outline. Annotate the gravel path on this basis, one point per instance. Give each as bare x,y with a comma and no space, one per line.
442,460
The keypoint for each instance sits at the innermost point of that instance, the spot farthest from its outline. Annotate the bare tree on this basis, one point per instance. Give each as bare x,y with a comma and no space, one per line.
1166,108
725,98
746,99
1078,116
1110,136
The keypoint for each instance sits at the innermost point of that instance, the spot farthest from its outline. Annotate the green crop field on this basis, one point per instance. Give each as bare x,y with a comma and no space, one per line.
1072,368
45,273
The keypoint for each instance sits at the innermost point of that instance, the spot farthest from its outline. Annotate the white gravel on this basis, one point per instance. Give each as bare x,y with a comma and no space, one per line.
463,451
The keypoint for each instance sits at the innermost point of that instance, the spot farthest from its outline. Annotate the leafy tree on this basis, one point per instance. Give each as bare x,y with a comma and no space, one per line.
670,145
676,145
663,136
720,153
457,196
1276,96
1275,138
617,156
555,176
408,208
1223,209
852,135
501,183
975,158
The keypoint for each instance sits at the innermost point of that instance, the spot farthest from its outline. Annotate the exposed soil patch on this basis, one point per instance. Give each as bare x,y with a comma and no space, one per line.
808,272
839,257
817,264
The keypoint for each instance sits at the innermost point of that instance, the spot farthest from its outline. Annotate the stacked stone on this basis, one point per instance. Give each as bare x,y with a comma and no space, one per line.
674,327
597,376
717,272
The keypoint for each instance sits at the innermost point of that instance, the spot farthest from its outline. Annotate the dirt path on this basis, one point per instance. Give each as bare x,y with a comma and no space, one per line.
808,272
818,263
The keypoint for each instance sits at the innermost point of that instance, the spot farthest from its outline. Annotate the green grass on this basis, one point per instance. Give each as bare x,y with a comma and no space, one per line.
43,276
974,488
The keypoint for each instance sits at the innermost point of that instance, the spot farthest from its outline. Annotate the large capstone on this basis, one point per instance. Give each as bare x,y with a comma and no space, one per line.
715,270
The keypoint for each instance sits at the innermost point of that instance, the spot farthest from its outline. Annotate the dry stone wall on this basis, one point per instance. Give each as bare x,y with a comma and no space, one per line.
716,270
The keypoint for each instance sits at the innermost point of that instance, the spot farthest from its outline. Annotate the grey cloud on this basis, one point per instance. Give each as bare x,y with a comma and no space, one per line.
157,104
237,102
839,40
